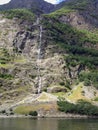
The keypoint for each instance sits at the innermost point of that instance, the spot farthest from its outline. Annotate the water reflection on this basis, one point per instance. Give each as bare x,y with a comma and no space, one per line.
48,124
78,124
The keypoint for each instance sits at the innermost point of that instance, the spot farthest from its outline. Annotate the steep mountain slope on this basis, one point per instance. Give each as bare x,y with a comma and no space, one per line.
87,8
56,53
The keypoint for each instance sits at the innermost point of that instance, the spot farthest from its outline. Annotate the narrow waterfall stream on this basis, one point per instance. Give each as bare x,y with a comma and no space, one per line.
39,59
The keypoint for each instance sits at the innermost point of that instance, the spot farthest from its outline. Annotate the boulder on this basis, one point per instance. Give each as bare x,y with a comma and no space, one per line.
56,89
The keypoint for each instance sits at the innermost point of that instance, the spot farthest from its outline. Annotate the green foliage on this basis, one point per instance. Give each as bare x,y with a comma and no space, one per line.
89,61
62,83
96,99
89,78
33,113
78,4
82,107
74,42
44,89
4,60
66,34
6,76
67,85
3,111
87,82
11,113
4,56
70,7
62,11
19,13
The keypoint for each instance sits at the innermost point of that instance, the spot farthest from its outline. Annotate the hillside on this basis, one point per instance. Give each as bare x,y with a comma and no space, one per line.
75,31
37,6
54,55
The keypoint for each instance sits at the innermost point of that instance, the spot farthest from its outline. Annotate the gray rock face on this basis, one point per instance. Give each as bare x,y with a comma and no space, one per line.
80,20
19,73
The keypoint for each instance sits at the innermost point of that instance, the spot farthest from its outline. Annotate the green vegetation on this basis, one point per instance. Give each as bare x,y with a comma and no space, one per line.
89,78
78,44
4,56
82,107
67,84
33,113
78,4
76,93
6,76
96,99
67,34
70,7
58,13
3,111
90,62
19,13
62,83
26,109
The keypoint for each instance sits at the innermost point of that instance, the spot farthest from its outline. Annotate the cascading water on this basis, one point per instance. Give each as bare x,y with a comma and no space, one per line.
39,59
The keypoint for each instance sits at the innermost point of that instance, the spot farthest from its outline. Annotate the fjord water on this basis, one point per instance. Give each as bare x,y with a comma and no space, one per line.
48,124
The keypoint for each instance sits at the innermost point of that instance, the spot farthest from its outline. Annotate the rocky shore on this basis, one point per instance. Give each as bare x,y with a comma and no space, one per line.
62,115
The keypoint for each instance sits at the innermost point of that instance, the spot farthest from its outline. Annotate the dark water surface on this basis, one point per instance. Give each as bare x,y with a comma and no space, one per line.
49,124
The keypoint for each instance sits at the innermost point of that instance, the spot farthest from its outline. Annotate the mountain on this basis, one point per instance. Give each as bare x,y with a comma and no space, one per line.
49,56
35,5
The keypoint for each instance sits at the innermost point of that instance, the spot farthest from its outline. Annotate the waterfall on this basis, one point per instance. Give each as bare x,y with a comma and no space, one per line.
39,59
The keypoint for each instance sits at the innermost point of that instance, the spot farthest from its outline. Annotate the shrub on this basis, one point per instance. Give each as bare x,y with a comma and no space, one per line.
89,78
33,113
45,89
67,85
3,111
62,83
11,113
82,107
87,82
6,76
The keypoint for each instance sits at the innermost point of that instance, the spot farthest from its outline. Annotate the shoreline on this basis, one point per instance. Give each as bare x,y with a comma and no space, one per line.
64,116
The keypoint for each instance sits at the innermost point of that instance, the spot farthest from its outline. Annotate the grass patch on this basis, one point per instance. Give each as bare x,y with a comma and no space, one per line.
96,99
25,109
43,96
6,66
20,59
60,94
76,93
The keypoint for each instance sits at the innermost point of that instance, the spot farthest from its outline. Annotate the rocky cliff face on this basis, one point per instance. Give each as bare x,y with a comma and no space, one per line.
19,59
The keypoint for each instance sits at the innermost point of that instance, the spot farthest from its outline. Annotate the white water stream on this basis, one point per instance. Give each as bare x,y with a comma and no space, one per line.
39,59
